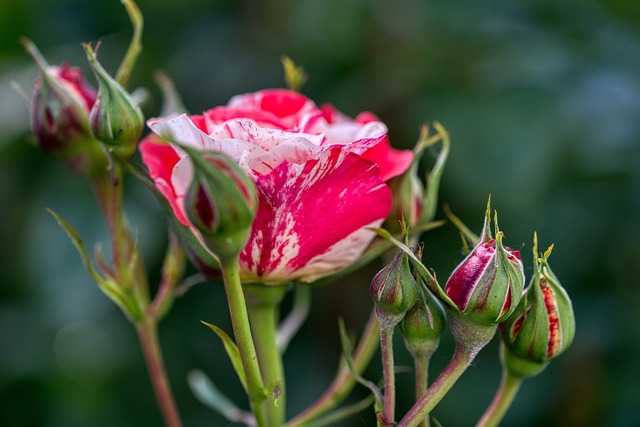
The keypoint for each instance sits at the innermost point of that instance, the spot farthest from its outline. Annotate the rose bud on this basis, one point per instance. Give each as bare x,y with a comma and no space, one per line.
394,290
60,108
115,119
543,324
422,326
221,202
487,285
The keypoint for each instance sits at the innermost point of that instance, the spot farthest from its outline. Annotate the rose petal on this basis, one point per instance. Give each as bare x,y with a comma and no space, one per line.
161,159
310,217
392,162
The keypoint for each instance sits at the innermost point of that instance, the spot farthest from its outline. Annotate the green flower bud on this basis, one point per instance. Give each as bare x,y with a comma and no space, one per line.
221,202
422,326
115,119
394,290
543,324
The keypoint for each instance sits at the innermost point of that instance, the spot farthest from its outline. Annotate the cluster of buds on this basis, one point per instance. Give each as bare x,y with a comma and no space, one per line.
76,125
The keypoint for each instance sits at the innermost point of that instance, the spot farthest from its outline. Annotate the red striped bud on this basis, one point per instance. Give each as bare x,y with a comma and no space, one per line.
543,324
486,286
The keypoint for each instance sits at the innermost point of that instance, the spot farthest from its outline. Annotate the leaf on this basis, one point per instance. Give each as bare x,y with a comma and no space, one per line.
346,348
232,351
433,179
208,394
110,287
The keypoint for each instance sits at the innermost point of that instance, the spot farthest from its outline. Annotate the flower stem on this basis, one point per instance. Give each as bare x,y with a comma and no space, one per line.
507,391
388,371
263,306
344,382
148,336
244,340
421,366
470,338
434,394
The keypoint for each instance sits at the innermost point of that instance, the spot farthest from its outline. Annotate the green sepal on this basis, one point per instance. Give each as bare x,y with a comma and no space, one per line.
434,176
232,352
122,297
196,251
233,197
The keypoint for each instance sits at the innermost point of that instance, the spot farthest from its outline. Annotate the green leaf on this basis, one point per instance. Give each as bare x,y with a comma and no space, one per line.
346,348
433,179
232,351
208,394
110,287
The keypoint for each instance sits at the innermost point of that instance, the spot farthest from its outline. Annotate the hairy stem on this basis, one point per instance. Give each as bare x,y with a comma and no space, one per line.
388,371
263,306
148,336
244,339
507,391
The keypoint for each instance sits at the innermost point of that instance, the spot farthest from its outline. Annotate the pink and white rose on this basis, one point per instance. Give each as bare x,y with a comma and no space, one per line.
320,177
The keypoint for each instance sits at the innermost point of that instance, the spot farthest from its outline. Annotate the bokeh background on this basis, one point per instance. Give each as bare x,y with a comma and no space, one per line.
542,101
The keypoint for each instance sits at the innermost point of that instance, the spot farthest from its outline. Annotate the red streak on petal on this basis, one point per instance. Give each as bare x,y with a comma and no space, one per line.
305,209
555,336
464,279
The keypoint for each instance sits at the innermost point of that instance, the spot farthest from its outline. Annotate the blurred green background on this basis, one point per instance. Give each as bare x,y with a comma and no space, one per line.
542,100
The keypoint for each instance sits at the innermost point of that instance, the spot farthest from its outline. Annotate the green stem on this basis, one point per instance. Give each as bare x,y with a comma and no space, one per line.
148,336
507,391
128,267
263,306
244,340
470,338
421,366
434,394
344,382
388,371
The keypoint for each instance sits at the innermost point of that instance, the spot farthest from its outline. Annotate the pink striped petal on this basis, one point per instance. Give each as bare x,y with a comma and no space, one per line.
161,159
310,217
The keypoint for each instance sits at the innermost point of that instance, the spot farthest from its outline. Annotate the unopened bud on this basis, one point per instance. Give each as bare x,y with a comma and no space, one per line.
543,324
422,326
61,102
394,290
487,285
221,203
116,118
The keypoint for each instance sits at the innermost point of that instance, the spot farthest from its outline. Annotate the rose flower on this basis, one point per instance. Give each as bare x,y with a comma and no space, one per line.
320,178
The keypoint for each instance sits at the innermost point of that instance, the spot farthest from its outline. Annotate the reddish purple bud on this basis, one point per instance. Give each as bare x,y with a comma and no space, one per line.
61,102
486,287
